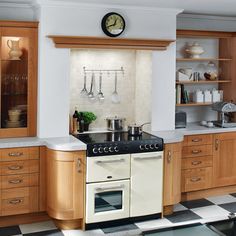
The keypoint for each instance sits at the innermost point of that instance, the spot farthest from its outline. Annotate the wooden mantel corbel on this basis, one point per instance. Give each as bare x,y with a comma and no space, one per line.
109,43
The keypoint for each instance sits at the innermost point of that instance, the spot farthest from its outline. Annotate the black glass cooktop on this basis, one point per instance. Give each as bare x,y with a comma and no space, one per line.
113,143
113,137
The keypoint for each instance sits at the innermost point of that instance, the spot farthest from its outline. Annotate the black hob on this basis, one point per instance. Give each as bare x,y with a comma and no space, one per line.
113,143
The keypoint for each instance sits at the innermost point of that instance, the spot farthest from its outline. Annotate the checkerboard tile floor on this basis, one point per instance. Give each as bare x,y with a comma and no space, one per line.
203,210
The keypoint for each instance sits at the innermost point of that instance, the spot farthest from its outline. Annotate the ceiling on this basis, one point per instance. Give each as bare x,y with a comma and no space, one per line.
208,7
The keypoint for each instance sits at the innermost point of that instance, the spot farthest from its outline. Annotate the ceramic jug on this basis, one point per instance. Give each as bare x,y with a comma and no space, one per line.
15,51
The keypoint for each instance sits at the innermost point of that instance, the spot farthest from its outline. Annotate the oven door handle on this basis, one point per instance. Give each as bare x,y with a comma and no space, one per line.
147,158
110,161
110,188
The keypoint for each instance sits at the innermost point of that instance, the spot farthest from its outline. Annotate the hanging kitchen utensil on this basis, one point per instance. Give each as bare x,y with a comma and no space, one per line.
84,91
100,94
91,94
115,97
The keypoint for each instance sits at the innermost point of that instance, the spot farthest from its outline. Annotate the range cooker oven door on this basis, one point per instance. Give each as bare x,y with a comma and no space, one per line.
107,201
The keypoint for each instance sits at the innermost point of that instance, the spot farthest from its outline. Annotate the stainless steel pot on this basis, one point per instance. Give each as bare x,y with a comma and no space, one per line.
136,130
115,123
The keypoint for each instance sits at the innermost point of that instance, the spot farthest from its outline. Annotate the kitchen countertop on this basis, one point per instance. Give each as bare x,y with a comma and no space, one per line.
69,143
174,136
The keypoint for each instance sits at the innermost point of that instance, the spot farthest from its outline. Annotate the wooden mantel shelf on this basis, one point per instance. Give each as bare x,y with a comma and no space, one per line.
109,43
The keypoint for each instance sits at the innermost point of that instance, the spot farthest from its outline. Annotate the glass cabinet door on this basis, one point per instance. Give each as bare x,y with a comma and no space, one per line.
18,78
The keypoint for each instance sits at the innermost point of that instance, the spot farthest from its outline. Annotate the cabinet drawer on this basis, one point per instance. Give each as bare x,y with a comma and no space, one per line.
195,151
191,140
196,162
196,179
16,181
19,167
17,154
19,201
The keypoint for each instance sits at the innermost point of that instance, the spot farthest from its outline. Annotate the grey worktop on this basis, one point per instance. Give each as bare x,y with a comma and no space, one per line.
173,136
69,143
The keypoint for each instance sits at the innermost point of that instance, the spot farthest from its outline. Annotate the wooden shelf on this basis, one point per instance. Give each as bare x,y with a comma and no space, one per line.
194,104
203,82
203,59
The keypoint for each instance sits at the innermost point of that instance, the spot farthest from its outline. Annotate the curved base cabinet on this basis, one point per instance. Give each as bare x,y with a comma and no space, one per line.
65,188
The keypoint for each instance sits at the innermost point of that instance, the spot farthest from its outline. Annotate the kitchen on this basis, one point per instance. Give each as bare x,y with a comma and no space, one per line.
54,81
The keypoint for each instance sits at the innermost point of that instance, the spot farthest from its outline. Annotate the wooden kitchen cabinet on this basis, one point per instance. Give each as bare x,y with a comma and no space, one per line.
19,171
172,174
65,187
224,159
18,78
197,163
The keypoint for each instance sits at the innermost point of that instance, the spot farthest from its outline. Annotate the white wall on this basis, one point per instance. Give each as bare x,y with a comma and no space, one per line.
9,11
54,67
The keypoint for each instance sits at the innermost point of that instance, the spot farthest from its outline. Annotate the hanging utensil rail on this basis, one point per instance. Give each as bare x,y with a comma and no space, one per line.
109,71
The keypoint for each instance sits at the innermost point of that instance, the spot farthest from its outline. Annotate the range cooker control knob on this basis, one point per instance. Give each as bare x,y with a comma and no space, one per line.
111,149
156,146
147,146
141,147
116,149
95,150
106,149
152,146
100,150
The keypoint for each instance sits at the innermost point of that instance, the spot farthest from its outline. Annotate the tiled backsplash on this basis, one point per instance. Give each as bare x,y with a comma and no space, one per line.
134,88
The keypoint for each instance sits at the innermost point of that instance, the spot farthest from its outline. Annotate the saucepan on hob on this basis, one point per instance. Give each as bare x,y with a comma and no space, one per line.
115,123
136,130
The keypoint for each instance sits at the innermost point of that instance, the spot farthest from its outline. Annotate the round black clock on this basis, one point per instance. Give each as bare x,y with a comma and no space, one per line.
113,24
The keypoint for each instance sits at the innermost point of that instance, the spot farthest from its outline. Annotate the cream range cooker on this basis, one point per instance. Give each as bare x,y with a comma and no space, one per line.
124,178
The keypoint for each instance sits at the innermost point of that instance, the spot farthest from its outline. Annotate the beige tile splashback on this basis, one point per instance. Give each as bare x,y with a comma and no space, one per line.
134,88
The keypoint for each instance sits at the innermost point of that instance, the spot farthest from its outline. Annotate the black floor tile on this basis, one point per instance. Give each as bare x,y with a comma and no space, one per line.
54,232
231,207
197,203
119,228
180,216
9,231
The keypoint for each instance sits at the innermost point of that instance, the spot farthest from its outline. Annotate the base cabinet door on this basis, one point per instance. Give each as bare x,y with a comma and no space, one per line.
224,159
172,174
146,183
65,184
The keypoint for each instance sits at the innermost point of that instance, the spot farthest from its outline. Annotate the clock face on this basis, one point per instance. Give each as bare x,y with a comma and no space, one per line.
113,24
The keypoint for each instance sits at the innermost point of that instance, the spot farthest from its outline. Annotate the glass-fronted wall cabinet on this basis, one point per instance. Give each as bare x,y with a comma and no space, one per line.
18,98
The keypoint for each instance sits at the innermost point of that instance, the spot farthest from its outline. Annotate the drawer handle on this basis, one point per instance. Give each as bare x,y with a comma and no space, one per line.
15,181
196,151
15,167
195,179
195,140
110,161
195,163
15,154
15,201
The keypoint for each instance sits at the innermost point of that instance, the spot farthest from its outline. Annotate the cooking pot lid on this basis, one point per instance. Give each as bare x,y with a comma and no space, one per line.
115,118
134,125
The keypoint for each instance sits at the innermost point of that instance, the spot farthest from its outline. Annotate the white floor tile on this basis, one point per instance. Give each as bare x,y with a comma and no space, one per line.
134,232
154,224
180,207
222,199
210,211
96,232
37,227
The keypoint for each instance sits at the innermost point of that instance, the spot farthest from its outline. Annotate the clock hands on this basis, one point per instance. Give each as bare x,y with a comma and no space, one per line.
112,24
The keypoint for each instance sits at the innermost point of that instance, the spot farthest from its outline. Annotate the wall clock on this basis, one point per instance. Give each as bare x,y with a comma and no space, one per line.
113,24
